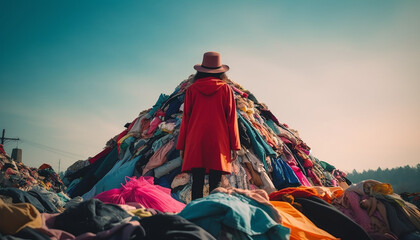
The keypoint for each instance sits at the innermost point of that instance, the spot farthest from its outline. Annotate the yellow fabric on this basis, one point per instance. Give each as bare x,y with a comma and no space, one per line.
123,138
301,227
15,217
383,188
141,213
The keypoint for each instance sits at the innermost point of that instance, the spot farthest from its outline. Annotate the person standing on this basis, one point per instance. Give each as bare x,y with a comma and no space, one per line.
209,135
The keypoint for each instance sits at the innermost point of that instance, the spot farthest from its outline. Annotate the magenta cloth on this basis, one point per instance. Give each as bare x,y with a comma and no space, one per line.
100,155
302,178
143,191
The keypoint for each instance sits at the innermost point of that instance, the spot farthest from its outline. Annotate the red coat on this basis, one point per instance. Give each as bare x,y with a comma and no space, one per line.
209,128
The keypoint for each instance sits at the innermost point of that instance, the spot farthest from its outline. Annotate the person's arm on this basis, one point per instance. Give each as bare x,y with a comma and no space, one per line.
232,120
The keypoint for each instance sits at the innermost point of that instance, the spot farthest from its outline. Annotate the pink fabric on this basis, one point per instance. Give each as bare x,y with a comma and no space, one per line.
315,179
159,157
243,94
303,150
302,178
48,221
351,201
154,124
143,191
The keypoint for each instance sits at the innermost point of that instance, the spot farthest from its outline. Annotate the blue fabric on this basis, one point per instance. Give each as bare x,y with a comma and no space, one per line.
161,141
72,185
109,161
166,180
237,212
283,175
261,148
174,107
116,176
162,99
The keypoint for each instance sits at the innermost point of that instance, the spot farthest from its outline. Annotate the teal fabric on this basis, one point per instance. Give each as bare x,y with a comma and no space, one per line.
328,167
126,143
261,148
236,212
162,99
273,126
107,163
116,176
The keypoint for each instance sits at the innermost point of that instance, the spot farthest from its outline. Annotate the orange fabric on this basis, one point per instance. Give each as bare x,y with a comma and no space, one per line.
209,128
383,188
301,191
266,135
301,227
325,193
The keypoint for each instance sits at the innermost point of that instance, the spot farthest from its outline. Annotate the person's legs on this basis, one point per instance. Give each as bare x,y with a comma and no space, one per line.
215,178
197,183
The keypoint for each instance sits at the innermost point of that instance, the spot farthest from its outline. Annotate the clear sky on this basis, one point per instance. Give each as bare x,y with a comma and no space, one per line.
345,74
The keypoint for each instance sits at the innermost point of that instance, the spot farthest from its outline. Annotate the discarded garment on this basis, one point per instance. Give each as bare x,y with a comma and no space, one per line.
89,216
15,217
301,227
164,226
236,212
143,191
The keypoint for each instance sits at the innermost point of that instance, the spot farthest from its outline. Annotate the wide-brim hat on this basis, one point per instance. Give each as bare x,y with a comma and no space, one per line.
211,64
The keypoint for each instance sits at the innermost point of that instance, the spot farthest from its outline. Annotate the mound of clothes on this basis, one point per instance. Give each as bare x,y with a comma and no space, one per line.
134,189
273,156
41,187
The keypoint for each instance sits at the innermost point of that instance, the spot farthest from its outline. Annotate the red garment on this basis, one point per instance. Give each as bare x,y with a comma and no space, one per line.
209,128
100,155
2,149
44,166
301,191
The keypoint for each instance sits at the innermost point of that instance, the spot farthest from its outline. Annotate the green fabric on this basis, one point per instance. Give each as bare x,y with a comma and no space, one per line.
328,167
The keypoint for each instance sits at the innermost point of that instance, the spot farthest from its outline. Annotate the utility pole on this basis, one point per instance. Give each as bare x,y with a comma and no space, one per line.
5,138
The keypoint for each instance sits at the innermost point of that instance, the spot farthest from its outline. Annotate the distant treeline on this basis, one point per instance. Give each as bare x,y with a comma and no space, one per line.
402,179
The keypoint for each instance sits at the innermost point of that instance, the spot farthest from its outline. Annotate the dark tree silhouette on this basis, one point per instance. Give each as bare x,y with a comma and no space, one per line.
402,179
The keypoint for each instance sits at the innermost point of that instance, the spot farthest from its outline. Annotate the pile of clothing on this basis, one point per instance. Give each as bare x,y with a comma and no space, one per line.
18,175
226,213
273,156
41,187
381,212
134,189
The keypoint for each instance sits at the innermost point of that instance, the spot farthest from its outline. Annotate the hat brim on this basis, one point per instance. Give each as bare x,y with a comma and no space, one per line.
223,68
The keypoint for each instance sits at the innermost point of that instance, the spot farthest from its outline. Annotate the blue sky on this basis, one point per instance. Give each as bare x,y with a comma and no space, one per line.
343,73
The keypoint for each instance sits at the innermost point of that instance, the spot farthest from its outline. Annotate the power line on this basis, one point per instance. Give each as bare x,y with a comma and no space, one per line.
4,139
51,149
